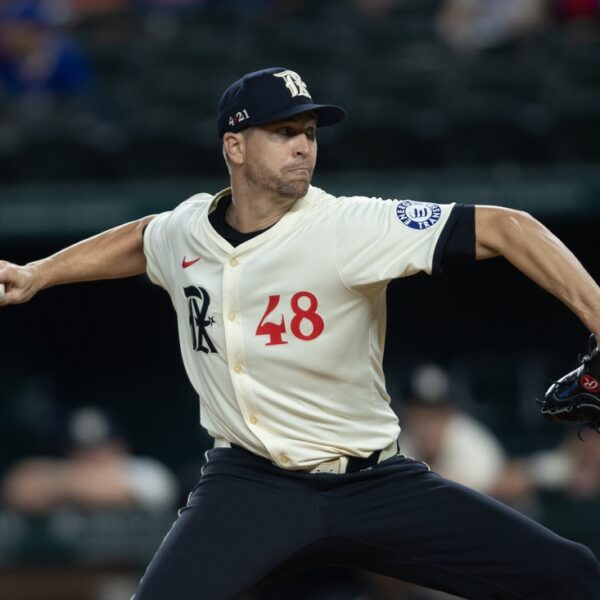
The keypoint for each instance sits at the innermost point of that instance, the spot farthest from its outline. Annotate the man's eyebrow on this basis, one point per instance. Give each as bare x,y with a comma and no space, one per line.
297,120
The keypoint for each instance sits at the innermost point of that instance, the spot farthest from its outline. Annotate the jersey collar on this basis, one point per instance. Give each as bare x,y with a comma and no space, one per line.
288,221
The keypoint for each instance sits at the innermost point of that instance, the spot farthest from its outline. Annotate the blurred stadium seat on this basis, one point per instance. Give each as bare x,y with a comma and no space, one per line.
421,104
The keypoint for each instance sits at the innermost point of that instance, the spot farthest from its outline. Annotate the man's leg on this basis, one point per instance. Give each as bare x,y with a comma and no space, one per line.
241,521
403,521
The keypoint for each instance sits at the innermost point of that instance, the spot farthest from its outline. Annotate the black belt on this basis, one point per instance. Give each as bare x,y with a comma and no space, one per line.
355,463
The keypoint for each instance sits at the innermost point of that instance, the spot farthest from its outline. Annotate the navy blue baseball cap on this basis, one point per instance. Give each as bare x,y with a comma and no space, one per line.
270,95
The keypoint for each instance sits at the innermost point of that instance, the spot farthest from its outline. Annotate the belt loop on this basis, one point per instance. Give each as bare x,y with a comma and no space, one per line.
221,443
389,451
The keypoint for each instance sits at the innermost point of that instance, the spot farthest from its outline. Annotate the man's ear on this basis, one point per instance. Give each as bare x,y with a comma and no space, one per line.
234,146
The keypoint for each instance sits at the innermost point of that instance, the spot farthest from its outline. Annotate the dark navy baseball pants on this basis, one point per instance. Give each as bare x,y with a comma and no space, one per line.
247,522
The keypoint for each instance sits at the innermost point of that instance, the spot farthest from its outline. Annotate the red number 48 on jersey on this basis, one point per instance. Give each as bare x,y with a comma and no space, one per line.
306,324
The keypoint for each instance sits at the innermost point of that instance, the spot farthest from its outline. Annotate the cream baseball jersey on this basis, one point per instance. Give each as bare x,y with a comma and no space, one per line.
282,336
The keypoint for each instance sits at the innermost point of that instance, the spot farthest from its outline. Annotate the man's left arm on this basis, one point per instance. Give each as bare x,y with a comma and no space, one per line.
540,255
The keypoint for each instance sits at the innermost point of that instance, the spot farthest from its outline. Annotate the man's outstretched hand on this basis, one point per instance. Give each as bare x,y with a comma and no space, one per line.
20,283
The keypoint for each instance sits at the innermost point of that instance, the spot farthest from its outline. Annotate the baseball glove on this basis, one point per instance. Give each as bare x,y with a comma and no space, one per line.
576,396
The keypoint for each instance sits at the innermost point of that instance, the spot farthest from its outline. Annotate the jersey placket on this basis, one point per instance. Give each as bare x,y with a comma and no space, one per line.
234,341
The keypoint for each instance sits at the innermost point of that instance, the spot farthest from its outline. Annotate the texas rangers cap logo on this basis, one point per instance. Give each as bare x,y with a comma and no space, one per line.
418,215
294,83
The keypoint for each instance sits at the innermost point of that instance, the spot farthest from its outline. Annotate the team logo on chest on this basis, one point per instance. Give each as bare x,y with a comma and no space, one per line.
418,215
198,302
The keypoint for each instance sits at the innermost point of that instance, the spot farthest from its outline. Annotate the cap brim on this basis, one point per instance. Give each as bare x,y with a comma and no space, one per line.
327,114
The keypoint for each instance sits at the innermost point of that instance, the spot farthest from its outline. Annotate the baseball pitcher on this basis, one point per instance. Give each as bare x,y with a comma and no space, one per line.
279,289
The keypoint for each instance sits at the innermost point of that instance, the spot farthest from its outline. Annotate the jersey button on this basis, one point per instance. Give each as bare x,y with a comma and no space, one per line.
234,262
238,368
253,420
231,316
284,459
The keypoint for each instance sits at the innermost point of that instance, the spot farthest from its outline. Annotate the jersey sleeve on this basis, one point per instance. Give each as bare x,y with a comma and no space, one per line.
379,240
157,249
166,232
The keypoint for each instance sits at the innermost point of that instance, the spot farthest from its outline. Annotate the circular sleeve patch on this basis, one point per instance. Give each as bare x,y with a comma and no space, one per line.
418,215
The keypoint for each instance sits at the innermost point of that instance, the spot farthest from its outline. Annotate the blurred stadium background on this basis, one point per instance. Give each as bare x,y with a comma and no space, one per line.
107,113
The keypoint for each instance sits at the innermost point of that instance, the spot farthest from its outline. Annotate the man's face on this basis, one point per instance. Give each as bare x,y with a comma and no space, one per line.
280,157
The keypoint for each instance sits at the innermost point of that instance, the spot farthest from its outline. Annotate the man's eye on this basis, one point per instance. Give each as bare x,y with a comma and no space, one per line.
284,131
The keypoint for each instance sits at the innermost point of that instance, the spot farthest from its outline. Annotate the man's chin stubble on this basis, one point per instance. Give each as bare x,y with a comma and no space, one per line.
293,189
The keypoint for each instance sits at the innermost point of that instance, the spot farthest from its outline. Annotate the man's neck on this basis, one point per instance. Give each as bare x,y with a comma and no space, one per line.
253,210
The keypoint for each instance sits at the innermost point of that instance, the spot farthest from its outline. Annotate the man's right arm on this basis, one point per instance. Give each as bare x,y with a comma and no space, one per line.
116,253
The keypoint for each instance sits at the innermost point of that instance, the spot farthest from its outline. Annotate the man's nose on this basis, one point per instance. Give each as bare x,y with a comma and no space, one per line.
302,147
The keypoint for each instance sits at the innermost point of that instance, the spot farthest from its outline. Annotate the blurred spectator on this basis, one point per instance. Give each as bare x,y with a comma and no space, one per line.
580,19
573,469
38,63
577,9
98,472
451,442
474,25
